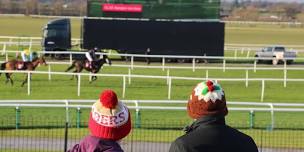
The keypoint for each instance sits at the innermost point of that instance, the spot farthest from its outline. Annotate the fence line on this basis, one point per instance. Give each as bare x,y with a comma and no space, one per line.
168,78
272,107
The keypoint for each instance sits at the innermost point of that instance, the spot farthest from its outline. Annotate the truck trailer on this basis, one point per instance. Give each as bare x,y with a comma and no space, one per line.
135,36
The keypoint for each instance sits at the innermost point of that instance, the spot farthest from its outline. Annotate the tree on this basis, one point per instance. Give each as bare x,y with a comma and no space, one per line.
31,7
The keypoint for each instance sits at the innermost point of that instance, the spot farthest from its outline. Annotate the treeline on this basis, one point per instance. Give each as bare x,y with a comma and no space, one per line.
236,10
247,10
44,7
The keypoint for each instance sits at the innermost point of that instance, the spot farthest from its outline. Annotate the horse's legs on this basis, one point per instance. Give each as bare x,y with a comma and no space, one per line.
24,81
8,78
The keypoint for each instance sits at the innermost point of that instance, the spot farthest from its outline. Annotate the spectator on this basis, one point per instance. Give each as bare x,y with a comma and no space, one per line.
148,52
109,122
209,133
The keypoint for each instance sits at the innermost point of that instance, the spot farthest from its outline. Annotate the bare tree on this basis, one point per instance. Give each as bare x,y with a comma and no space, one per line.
31,7
58,7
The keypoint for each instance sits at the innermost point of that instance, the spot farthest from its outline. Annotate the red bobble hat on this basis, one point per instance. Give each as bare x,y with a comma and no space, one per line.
207,98
109,118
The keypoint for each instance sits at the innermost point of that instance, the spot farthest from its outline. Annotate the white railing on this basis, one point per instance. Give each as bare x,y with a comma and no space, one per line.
79,104
168,79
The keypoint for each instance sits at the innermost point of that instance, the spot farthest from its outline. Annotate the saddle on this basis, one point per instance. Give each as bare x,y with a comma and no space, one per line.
88,65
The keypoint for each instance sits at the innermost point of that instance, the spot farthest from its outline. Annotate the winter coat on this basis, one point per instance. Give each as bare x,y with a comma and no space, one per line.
94,144
211,134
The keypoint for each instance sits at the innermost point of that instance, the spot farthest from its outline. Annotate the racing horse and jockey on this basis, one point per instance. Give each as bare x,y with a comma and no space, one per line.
21,65
92,64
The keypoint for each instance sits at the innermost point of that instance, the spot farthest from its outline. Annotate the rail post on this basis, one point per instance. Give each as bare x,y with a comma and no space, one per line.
246,79
129,75
18,111
168,76
224,65
254,66
251,119
137,116
28,83
132,62
262,90
285,74
124,87
78,84
6,56
169,88
49,70
66,125
193,64
163,63
4,49
78,117
207,74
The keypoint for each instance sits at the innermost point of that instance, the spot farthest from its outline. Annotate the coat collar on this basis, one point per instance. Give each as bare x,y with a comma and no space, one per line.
205,120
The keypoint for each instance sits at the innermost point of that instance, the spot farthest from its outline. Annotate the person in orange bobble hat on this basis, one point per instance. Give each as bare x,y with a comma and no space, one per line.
209,132
109,122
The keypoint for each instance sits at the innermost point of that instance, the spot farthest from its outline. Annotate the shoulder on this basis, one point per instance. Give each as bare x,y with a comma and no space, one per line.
178,145
245,139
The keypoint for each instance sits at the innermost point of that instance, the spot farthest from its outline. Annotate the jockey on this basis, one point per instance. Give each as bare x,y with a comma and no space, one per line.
91,56
28,56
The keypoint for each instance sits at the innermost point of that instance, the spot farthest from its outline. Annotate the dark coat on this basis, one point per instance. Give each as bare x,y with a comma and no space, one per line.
211,134
94,144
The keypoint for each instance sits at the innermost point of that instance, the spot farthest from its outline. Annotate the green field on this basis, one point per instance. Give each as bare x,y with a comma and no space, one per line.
61,87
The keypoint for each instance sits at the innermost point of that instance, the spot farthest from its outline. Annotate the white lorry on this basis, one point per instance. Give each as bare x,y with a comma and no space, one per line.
276,54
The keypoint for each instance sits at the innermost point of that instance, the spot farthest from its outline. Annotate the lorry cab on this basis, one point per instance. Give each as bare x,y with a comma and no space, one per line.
57,35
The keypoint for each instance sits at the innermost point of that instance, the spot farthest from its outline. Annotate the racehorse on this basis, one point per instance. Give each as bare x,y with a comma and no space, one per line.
79,65
20,65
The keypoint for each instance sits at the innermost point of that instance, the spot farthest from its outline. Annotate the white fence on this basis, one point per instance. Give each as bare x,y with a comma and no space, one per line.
79,104
167,78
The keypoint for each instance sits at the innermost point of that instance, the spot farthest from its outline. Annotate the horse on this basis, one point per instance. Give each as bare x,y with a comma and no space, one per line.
20,65
79,65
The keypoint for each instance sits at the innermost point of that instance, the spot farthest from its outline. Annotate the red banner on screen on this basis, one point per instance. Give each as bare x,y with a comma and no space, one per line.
131,8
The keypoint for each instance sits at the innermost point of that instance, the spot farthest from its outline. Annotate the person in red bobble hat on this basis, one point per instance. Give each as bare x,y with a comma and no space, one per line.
109,122
209,132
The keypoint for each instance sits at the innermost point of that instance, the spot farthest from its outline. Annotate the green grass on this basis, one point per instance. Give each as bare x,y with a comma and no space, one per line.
60,87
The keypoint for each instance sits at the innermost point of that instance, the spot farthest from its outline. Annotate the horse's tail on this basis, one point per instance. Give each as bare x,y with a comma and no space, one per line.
71,67
2,67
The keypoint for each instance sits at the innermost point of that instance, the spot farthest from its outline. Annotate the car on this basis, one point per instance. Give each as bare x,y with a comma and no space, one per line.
276,54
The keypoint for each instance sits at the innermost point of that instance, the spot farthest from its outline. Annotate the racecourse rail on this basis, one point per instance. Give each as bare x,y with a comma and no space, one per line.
78,104
168,78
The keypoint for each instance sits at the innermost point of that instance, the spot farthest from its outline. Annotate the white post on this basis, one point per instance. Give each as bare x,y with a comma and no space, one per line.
129,75
285,74
168,76
6,56
163,63
246,78
78,90
28,83
263,88
235,53
169,88
224,65
132,62
248,53
242,51
193,64
207,75
254,66
124,87
31,41
71,58
10,41
4,49
90,76
49,70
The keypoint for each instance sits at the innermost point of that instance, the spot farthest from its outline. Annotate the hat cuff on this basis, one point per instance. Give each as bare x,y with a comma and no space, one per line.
111,133
198,109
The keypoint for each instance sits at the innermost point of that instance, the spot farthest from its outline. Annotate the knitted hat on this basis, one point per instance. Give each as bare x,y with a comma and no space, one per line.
109,118
207,98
